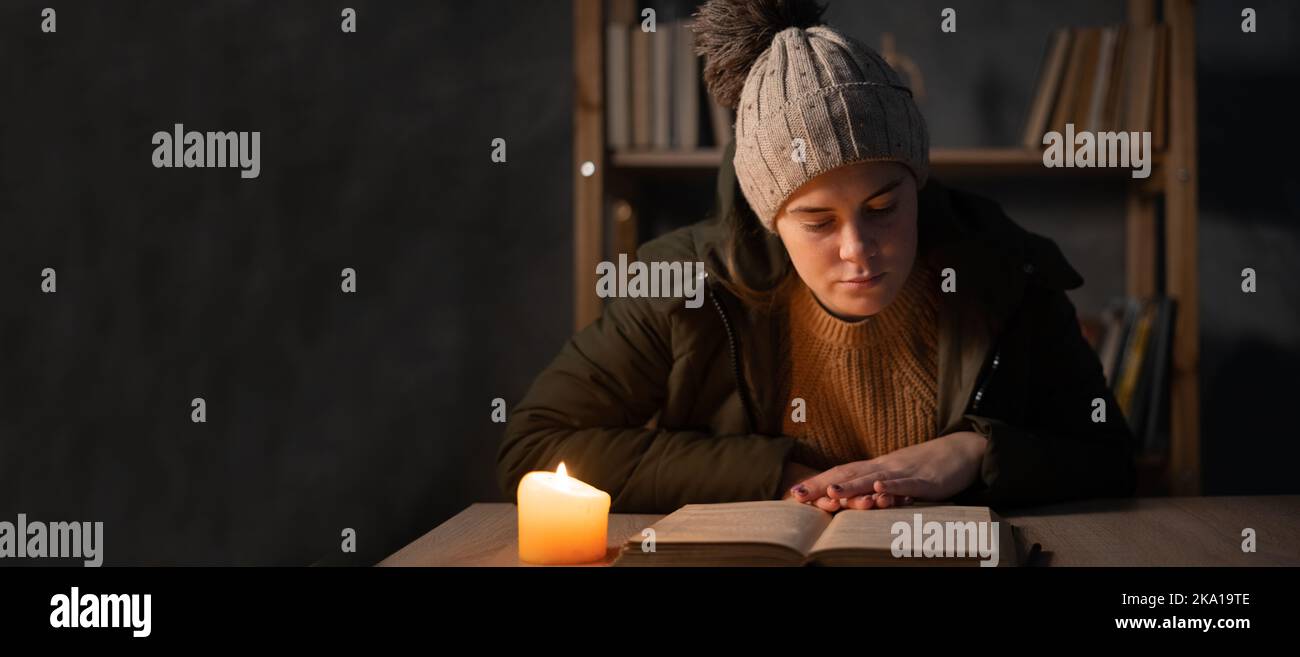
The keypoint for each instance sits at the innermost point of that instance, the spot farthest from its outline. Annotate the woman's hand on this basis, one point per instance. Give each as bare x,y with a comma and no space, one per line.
793,474
797,472
934,470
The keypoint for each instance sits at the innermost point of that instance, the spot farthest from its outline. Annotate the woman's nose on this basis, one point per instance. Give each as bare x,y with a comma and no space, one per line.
857,246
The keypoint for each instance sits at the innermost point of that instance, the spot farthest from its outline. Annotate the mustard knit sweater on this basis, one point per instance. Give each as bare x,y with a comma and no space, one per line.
869,387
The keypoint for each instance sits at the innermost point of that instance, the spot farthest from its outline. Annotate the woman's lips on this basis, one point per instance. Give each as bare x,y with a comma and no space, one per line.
864,283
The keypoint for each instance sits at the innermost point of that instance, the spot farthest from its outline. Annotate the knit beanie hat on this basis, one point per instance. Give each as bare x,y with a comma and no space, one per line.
808,99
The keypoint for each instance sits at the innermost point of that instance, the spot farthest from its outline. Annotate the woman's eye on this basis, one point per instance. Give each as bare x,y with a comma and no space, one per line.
879,211
818,227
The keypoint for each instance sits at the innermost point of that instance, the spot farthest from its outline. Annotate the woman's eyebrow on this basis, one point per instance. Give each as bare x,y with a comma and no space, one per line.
883,190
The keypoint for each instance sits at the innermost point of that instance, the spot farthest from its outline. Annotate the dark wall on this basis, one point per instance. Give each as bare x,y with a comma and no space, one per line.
325,410
1250,217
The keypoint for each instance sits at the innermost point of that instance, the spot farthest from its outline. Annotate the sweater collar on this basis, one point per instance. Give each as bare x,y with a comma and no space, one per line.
810,318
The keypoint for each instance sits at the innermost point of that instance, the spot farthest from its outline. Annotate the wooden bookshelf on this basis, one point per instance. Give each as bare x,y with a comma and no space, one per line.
943,161
1173,181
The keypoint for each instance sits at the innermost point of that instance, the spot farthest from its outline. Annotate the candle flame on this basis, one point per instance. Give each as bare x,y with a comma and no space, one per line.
561,471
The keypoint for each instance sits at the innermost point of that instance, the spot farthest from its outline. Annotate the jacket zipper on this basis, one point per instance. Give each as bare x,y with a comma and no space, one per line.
736,371
988,375
979,393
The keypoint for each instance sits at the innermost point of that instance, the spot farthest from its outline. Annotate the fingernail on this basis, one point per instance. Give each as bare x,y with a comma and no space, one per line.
837,488
800,490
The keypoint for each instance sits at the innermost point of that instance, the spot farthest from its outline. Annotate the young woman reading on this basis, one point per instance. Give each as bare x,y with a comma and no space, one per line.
870,337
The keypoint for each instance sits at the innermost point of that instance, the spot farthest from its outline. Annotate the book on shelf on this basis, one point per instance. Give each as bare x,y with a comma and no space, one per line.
1128,393
1135,352
1088,70
1101,79
1066,95
1114,319
686,88
1154,430
618,119
661,85
1049,81
787,533
1109,113
642,91
655,97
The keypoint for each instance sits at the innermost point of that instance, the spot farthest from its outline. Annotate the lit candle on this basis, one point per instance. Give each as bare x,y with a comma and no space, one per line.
561,520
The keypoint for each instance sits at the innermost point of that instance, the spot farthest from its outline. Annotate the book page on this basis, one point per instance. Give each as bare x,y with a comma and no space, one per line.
776,522
871,530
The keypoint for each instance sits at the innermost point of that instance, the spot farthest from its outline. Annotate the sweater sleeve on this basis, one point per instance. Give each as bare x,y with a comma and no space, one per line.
1057,453
590,408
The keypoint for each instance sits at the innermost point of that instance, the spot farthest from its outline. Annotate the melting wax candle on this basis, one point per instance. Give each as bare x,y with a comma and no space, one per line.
561,520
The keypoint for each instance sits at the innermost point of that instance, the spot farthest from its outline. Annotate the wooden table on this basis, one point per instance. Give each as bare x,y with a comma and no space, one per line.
1156,531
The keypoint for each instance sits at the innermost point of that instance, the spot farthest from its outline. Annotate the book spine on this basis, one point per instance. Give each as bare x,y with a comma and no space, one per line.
661,64
617,120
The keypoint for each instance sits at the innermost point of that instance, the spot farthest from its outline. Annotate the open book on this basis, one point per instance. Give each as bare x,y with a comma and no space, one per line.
787,533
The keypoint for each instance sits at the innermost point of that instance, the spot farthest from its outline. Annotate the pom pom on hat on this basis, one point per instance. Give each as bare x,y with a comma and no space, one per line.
731,34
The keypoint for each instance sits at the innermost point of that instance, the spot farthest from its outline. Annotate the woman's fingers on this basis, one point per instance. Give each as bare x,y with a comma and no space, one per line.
869,492
864,485
861,502
809,490
827,504
870,501
914,487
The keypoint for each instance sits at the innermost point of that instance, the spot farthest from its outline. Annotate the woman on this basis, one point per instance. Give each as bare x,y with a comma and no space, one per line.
871,337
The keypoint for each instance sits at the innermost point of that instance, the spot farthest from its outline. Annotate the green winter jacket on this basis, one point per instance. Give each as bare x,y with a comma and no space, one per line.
662,405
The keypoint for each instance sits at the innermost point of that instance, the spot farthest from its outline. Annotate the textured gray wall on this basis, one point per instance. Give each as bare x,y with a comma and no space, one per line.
1250,217
325,411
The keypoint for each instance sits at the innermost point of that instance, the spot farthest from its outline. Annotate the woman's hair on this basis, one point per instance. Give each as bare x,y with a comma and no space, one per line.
744,242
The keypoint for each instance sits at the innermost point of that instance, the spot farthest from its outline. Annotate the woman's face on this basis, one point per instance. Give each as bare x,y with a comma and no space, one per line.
851,234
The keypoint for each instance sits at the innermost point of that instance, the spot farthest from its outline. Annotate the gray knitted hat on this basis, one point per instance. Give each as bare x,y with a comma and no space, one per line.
808,99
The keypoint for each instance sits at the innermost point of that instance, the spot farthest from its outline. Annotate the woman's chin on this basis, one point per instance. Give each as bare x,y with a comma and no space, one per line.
856,309
863,303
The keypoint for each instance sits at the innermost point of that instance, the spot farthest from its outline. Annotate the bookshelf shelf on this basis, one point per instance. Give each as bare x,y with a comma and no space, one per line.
995,161
1002,158
605,220
705,159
